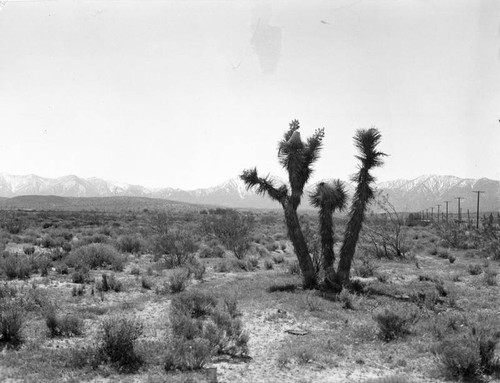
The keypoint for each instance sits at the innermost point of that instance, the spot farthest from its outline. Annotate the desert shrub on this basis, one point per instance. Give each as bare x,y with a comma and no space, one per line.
178,280
175,248
490,276
216,251
146,283
130,244
433,250
66,326
81,275
14,224
188,354
469,352
347,299
222,267
66,247
78,291
474,269
95,256
29,250
16,266
278,259
202,326
12,318
443,253
365,269
197,269
395,324
43,263
118,336
135,271
159,222
8,291
233,229
294,268
268,265
48,242
254,262
277,286
108,283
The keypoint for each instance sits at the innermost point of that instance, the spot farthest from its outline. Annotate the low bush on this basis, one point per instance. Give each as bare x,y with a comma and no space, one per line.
395,324
66,326
117,340
130,244
96,256
278,259
178,280
12,317
443,253
29,250
81,275
467,346
268,265
108,283
216,251
146,283
490,276
16,266
176,248
202,326
475,269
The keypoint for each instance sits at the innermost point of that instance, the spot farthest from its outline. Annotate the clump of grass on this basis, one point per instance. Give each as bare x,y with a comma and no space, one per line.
81,275
146,283
490,276
366,269
346,298
395,324
178,280
443,253
78,291
287,287
109,283
66,326
278,258
294,268
475,269
216,251
268,264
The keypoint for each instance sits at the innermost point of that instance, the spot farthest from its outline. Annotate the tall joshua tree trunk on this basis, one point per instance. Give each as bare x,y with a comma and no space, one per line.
300,246
366,141
297,158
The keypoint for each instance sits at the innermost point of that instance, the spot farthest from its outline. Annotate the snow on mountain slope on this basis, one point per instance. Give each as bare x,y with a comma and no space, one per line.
406,195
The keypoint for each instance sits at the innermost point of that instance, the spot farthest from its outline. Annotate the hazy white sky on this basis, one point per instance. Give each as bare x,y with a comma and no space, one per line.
189,93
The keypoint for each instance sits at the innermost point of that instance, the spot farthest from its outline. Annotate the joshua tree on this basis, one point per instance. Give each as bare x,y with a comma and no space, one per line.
297,158
328,198
366,141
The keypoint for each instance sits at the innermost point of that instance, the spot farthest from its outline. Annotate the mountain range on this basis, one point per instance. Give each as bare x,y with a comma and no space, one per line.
406,195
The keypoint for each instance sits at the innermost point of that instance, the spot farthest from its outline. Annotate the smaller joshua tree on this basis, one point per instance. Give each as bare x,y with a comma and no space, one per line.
328,197
297,158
